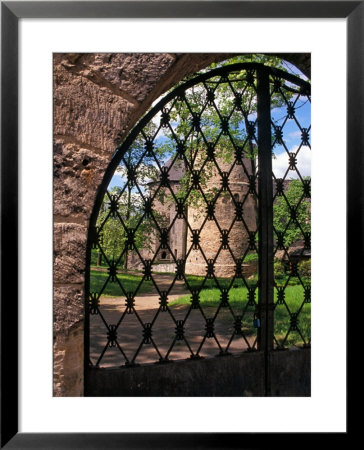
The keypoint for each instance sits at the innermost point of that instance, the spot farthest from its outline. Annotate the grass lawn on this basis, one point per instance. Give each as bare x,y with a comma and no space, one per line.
112,289
195,282
238,298
210,297
294,298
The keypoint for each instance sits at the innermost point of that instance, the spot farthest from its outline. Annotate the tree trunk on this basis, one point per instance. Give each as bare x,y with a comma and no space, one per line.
127,220
99,259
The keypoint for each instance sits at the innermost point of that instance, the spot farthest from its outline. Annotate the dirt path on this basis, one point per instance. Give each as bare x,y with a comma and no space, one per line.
130,330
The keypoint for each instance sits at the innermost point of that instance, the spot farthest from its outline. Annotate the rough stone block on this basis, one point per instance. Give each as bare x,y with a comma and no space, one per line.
134,73
74,362
68,308
90,113
69,253
77,174
68,363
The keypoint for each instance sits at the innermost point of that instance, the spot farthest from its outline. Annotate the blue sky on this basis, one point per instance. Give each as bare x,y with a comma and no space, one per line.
291,137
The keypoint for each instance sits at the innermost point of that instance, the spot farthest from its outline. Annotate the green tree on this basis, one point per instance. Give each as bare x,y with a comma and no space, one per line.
114,220
139,169
227,102
296,202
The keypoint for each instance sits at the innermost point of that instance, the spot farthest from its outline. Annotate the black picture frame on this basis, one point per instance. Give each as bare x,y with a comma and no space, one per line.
11,12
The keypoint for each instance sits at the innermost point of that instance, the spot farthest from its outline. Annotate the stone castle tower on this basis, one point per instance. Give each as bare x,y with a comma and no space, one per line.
182,239
210,237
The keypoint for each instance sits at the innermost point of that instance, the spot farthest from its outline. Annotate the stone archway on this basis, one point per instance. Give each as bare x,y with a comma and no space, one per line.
97,100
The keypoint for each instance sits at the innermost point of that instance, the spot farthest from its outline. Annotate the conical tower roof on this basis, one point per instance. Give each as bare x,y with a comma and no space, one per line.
177,171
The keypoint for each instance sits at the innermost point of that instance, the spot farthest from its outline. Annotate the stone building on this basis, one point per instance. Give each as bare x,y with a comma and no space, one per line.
237,229
165,209
180,236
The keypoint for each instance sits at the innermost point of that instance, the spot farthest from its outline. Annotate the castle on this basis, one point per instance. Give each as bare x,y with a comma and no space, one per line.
199,231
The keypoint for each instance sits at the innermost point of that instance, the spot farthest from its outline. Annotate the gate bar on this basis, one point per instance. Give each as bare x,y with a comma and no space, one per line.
265,186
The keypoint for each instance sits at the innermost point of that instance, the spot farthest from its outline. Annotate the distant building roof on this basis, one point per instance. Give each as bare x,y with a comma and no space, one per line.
296,250
177,171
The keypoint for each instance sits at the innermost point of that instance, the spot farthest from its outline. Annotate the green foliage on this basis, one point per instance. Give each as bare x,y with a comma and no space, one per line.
304,268
146,170
294,199
251,257
224,143
279,271
268,60
95,260
113,225
112,233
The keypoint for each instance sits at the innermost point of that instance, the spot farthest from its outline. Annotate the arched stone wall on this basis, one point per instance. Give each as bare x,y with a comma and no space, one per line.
98,98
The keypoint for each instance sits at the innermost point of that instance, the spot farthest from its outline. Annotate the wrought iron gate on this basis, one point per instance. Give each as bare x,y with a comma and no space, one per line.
192,262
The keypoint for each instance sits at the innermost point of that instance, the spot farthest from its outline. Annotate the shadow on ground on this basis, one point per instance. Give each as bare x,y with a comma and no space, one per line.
163,343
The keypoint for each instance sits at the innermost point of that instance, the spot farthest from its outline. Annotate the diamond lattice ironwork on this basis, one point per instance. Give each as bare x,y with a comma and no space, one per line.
176,244
291,220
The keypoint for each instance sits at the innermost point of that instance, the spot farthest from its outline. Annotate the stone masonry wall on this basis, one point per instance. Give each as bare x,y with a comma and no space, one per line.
210,236
98,98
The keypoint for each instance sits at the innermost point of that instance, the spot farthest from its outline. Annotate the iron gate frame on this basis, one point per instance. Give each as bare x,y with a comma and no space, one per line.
265,333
